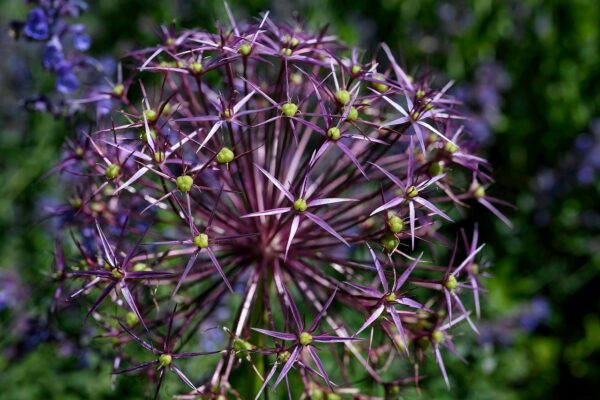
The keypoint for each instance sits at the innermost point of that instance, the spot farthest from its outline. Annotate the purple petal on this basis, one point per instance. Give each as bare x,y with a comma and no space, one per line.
213,258
352,158
320,366
293,229
379,269
320,202
392,311
317,319
273,211
267,379
427,204
325,226
182,376
392,203
188,266
275,182
287,366
495,211
440,363
278,335
371,319
406,273
135,368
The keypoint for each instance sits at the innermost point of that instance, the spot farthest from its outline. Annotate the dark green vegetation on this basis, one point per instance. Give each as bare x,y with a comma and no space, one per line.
551,95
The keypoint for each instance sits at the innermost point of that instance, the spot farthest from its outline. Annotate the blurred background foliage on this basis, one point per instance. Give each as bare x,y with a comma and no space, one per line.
529,68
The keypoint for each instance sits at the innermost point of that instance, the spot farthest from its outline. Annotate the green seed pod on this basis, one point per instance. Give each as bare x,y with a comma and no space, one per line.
473,268
334,133
316,394
437,336
225,155
283,356
289,109
395,224
450,147
245,49
118,90
352,114
333,396
300,205
294,42
451,283
286,51
139,267
380,87
195,68
420,94
241,345
151,115
227,113
389,241
112,171
144,136
436,168
412,192
201,241
184,183
131,319
342,97
305,338
165,360
478,190
356,69
390,297
159,156
116,273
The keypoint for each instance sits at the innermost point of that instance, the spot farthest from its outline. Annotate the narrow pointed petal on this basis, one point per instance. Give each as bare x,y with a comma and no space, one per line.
135,368
440,363
352,158
378,311
495,211
131,180
215,262
187,269
398,322
131,303
379,270
210,134
273,211
321,202
467,260
317,319
278,335
320,366
288,365
275,182
427,204
293,229
325,226
391,177
182,376
266,381
392,203
404,277
462,308
411,214
243,102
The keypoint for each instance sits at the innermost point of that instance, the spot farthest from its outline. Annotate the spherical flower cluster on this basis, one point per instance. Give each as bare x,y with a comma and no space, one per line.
278,172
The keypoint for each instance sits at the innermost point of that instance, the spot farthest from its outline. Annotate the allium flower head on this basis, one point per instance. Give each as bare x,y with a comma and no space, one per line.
275,169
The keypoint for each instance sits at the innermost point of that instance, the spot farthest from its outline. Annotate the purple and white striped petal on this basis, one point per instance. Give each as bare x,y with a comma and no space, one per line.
293,229
427,204
275,334
379,270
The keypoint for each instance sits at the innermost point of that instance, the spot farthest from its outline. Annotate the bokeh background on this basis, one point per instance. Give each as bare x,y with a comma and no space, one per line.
529,68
